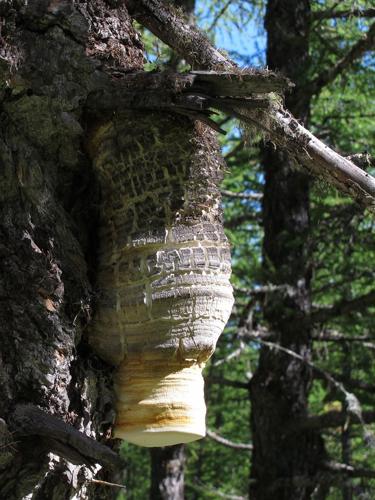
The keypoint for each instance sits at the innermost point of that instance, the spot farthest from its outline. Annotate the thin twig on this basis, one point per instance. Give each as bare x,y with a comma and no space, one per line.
353,405
342,307
242,196
213,492
106,483
218,16
234,354
346,469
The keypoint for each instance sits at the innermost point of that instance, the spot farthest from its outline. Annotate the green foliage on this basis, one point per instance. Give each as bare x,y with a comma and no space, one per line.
137,472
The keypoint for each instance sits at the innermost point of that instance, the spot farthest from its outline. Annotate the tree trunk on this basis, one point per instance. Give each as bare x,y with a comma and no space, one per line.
167,473
53,56
49,53
283,462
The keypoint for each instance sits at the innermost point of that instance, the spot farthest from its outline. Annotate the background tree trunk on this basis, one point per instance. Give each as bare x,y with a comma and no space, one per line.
167,473
279,389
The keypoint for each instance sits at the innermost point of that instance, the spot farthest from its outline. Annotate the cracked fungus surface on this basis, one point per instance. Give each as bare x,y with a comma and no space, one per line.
164,268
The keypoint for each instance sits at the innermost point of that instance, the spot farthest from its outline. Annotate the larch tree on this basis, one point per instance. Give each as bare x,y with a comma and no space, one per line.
97,160
289,462
280,386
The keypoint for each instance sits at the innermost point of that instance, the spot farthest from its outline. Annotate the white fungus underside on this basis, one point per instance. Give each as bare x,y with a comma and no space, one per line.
153,438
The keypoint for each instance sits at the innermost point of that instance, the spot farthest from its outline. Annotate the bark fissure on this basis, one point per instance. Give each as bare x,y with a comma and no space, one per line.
50,61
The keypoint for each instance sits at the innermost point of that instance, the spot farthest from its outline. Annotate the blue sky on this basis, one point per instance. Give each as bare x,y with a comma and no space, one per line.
245,45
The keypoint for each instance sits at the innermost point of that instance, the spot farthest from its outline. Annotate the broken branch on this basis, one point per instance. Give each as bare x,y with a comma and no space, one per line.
281,127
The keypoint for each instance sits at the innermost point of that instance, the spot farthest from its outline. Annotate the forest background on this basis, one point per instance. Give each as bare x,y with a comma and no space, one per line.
300,341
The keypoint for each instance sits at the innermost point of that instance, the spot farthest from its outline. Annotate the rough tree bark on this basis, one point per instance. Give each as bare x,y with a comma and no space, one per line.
280,386
51,54
54,56
167,473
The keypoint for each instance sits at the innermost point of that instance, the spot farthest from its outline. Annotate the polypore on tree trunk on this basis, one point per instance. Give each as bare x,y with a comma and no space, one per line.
164,268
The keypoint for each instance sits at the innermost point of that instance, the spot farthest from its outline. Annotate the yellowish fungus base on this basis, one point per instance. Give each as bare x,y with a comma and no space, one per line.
160,404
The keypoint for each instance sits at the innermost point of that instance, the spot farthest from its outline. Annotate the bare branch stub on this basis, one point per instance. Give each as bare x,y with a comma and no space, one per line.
226,442
331,419
61,438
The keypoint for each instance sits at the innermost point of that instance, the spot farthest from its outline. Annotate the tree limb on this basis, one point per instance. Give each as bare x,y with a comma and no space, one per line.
227,442
218,16
333,336
331,419
348,470
232,355
342,14
362,160
230,383
242,196
212,493
366,43
351,383
343,307
277,123
352,404
164,22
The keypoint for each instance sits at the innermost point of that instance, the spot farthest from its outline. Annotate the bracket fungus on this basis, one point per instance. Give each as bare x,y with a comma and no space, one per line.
164,269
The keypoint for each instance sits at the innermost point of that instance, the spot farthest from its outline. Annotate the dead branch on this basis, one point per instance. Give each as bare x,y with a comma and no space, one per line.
334,336
348,470
277,124
343,307
226,442
332,419
366,43
230,383
362,160
186,40
353,406
342,14
242,196
211,492
106,483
